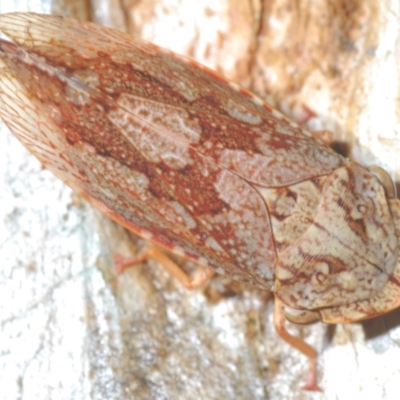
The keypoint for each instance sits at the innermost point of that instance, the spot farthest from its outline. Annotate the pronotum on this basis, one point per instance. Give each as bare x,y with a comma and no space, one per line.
181,156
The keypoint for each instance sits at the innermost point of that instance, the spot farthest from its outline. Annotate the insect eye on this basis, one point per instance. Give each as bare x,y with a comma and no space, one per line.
385,180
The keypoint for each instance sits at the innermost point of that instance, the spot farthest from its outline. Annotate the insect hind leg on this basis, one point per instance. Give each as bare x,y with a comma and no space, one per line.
201,276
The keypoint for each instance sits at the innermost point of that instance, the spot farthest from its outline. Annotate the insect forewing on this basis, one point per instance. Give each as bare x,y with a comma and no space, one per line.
251,138
160,144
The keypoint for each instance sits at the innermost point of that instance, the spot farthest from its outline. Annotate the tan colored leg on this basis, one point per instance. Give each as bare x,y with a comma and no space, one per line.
308,113
199,278
299,344
324,136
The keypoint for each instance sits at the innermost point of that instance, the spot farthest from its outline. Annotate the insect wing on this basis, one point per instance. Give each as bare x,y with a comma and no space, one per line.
165,147
236,131
106,154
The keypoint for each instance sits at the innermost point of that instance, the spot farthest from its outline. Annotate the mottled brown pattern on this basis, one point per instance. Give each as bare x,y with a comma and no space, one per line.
382,301
292,209
178,154
145,71
336,262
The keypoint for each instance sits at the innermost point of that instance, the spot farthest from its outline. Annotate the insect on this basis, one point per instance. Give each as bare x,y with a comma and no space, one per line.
181,156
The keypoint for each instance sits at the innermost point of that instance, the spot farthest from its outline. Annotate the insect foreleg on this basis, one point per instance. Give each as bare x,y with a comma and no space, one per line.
299,344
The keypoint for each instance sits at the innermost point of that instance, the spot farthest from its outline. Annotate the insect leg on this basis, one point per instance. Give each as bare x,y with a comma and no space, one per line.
323,136
198,279
299,344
